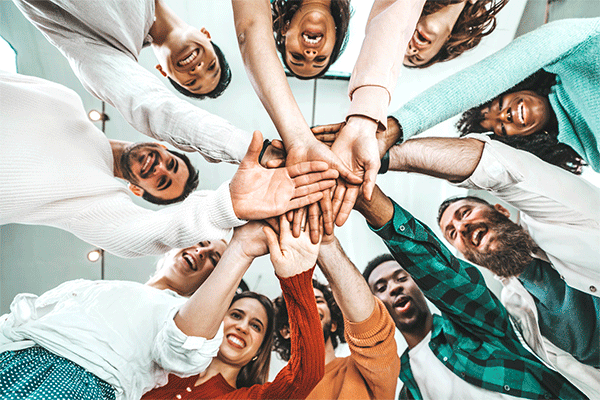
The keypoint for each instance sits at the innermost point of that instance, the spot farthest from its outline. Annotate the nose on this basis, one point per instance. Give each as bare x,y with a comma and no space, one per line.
310,54
411,51
395,288
504,115
242,326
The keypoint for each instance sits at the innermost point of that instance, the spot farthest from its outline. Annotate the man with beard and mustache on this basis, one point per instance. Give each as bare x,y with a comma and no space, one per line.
548,263
471,350
58,169
348,310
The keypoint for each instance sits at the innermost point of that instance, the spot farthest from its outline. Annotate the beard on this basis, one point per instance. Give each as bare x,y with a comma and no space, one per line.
415,325
514,247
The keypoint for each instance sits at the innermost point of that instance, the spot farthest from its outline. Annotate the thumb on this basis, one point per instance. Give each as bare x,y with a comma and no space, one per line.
369,180
272,241
254,149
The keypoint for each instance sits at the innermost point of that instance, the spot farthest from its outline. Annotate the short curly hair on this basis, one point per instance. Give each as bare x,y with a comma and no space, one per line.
543,144
474,22
223,83
283,345
283,12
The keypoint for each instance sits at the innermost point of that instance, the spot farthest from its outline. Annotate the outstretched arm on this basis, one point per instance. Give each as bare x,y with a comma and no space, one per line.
452,159
195,317
390,25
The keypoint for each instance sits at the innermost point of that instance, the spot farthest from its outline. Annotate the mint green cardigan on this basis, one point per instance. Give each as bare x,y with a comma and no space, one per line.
568,48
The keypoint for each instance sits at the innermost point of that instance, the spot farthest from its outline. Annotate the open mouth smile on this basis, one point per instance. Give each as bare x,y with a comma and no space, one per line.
312,38
189,59
236,341
148,165
190,260
402,303
478,235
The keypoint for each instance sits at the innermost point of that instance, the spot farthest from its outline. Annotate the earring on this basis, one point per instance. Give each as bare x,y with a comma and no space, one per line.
255,358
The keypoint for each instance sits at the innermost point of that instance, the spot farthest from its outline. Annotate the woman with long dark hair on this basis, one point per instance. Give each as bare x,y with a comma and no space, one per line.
569,50
241,368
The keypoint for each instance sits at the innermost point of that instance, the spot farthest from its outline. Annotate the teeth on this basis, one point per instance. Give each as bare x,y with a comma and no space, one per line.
190,261
145,166
520,109
189,59
312,40
236,340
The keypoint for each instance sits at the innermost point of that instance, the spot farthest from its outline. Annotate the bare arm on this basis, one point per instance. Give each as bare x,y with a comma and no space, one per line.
253,27
446,158
202,314
349,288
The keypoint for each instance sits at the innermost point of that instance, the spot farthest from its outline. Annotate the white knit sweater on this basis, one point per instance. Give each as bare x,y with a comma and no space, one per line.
56,169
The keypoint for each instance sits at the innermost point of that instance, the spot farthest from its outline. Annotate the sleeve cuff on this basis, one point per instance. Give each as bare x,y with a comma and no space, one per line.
371,102
221,211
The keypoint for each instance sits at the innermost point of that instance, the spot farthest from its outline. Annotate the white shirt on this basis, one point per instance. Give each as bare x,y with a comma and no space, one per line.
102,40
437,382
561,212
56,169
122,332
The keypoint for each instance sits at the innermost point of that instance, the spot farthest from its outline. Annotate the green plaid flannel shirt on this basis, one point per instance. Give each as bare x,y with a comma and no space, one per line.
473,337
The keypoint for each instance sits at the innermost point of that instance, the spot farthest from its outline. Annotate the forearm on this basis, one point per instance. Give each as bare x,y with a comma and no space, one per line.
351,292
379,211
446,158
389,28
203,313
255,38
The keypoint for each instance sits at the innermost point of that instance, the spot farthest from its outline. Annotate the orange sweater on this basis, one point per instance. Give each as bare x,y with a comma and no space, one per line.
372,369
294,381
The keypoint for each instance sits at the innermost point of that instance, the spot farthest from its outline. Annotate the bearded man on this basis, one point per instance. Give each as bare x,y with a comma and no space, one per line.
548,262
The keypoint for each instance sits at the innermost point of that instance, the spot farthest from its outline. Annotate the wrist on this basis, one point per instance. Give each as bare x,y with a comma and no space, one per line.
362,125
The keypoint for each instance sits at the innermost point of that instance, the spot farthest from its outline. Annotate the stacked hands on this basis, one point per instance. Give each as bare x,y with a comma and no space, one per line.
315,182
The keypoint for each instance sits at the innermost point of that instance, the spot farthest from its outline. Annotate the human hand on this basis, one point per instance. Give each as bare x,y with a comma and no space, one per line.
274,155
327,133
251,239
356,145
313,150
290,256
259,193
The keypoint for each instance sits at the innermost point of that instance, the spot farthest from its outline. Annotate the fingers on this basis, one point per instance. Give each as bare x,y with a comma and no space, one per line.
275,163
278,144
369,181
314,222
273,223
313,177
329,128
254,149
305,201
347,204
306,168
313,188
327,138
345,172
326,208
272,241
298,221
338,197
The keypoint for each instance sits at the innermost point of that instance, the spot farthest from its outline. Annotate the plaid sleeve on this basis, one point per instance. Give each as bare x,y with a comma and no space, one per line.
456,287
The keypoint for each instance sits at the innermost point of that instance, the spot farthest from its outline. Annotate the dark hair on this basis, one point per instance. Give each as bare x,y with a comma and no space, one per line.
283,345
221,86
543,144
474,22
257,372
190,185
376,262
283,11
446,203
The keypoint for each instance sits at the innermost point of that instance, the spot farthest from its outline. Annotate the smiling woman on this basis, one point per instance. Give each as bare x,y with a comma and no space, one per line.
310,35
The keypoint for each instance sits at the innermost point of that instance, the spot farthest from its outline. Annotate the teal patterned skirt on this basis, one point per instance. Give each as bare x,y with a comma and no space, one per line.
36,374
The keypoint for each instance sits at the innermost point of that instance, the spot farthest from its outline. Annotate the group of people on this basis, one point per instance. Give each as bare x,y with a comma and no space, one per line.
188,333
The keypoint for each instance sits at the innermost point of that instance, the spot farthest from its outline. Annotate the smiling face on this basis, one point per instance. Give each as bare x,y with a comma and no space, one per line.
152,168
186,269
403,299
487,237
189,59
324,315
310,39
431,33
517,114
245,325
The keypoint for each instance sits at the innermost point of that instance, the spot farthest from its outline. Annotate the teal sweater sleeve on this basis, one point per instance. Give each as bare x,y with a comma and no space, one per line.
493,75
